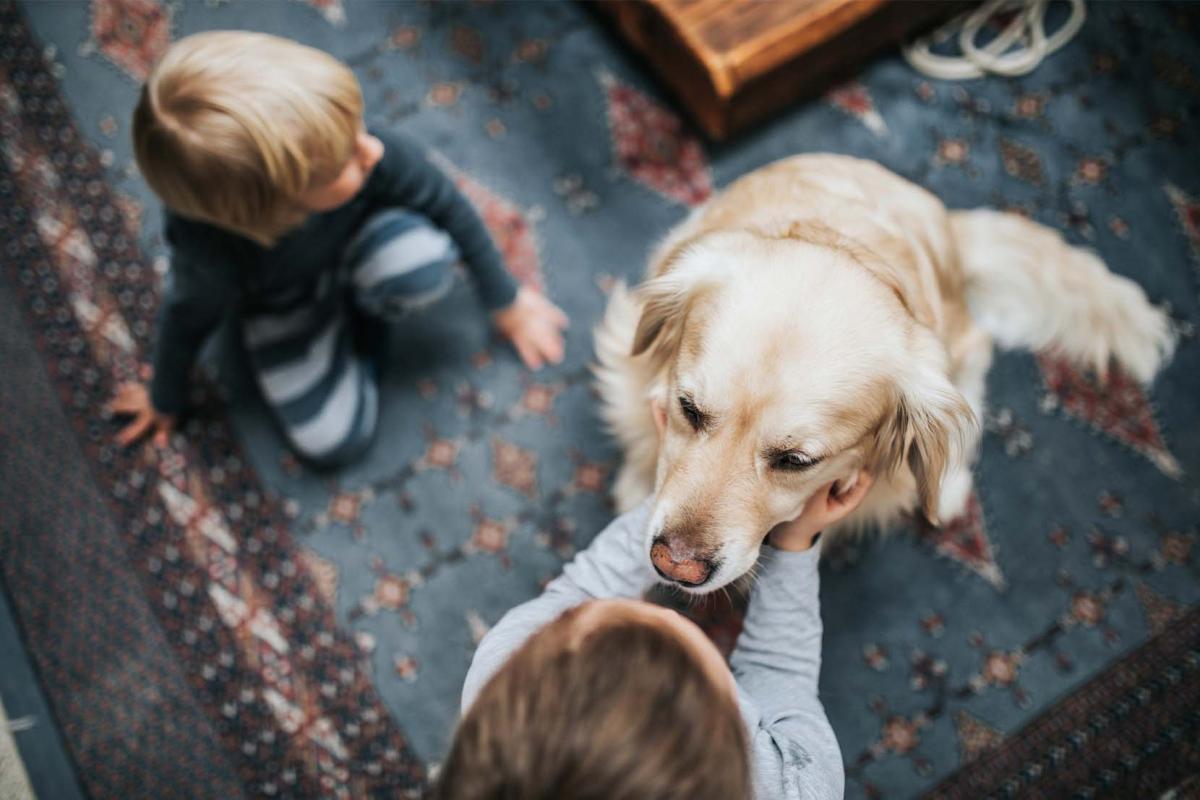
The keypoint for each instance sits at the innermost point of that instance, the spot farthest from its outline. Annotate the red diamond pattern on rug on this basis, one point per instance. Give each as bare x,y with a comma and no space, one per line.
853,98
510,228
964,539
653,146
1187,209
133,34
1159,611
333,11
974,735
1119,409
514,467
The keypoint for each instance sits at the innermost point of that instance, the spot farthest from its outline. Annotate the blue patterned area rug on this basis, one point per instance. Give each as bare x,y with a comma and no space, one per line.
214,620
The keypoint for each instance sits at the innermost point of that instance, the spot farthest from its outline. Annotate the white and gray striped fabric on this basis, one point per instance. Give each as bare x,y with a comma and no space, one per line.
321,389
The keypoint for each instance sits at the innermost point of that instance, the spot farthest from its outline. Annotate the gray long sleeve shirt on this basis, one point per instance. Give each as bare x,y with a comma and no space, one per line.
776,662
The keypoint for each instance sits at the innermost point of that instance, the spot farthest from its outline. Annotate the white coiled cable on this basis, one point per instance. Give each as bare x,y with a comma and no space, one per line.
1027,31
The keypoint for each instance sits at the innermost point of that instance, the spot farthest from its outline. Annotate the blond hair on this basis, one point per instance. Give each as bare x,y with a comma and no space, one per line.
233,126
625,713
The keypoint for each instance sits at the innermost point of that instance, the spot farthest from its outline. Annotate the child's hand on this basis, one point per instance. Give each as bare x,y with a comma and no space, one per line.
133,400
534,325
823,509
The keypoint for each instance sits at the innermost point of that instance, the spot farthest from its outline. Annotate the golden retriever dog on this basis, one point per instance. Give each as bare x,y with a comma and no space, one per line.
822,316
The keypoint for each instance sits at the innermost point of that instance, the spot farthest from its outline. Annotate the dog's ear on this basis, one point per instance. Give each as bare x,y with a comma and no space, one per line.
663,306
666,302
928,426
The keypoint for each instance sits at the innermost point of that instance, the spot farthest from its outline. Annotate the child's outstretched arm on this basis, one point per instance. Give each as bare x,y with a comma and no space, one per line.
777,660
196,297
614,565
526,318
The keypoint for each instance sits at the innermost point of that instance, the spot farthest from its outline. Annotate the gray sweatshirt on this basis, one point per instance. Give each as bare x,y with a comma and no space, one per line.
776,662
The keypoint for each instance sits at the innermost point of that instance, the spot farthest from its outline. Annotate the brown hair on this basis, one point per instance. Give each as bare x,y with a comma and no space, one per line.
233,126
624,713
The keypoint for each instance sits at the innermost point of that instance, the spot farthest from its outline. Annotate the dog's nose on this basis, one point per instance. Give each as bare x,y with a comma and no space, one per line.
679,564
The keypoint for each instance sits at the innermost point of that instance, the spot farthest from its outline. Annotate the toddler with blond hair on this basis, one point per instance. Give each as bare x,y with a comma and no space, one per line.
284,210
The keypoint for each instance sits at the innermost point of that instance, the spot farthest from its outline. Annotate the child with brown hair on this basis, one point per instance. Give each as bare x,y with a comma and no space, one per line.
588,692
285,211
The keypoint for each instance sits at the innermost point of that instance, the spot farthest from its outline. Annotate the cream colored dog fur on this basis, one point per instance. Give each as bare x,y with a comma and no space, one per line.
823,315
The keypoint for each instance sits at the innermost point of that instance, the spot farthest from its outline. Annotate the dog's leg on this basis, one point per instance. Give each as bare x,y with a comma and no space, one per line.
957,485
973,358
1029,288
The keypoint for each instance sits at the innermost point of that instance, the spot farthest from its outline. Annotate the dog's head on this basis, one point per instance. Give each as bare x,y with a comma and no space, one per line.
784,365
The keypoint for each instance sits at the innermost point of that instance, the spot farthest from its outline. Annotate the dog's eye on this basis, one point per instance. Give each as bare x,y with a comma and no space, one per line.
693,415
792,461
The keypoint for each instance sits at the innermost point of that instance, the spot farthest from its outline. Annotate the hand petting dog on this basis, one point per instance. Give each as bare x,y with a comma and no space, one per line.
829,505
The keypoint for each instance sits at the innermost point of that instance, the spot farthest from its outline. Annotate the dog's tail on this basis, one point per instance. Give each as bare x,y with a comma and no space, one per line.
1028,288
622,382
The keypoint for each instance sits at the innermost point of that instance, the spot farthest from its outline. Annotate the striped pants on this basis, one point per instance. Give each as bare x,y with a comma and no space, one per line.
322,391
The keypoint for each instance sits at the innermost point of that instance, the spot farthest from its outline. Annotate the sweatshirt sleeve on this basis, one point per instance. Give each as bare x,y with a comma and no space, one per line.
777,662
614,565
405,177
192,307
